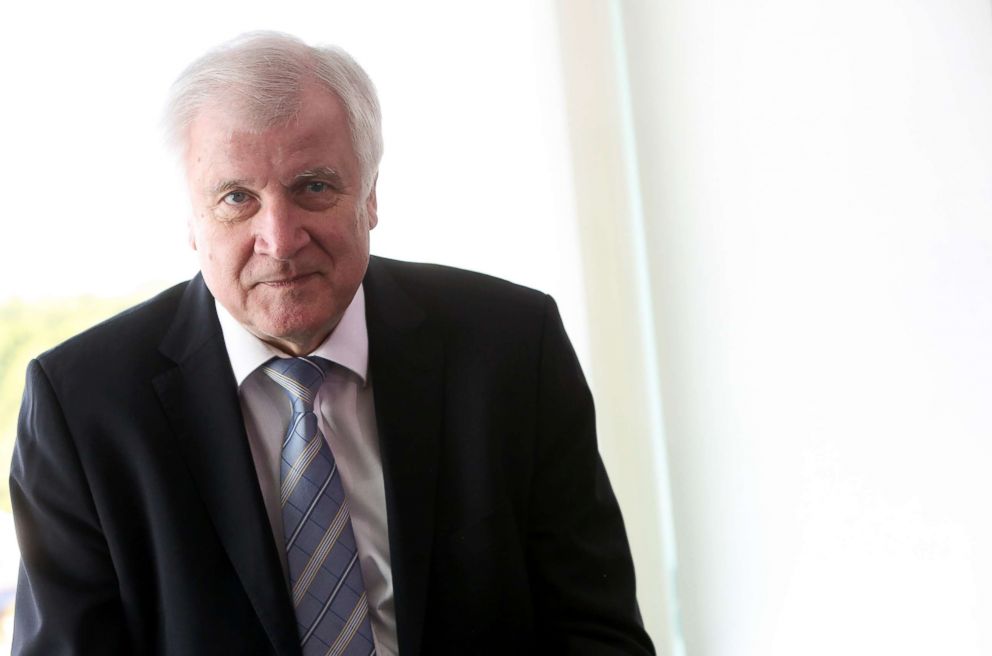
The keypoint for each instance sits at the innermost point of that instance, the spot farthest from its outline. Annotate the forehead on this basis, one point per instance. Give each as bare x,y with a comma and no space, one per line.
224,141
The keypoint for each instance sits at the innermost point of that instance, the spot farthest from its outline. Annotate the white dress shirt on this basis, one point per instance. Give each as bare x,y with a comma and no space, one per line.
346,416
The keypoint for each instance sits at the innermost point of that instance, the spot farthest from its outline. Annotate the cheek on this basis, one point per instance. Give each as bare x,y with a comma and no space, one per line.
224,250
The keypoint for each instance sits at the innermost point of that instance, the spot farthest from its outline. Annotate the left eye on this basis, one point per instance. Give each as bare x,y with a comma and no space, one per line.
316,187
235,198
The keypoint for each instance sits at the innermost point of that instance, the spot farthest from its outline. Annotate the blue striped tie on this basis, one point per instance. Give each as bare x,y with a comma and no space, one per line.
328,591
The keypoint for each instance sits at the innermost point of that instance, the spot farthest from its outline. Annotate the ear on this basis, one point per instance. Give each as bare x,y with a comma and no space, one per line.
371,206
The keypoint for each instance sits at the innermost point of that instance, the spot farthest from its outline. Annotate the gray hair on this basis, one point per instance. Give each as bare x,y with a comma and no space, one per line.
261,75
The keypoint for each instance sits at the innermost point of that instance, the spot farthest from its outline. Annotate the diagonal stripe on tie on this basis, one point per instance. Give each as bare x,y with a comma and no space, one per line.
291,385
299,468
355,620
330,600
320,554
313,504
328,593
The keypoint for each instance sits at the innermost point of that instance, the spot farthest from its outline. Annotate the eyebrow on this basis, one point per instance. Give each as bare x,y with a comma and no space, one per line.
226,185
324,172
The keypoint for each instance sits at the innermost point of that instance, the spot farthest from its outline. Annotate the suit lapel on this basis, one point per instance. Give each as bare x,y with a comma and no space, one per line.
201,399
406,363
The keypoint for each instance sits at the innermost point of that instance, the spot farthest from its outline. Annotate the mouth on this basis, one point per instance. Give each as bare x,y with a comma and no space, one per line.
291,281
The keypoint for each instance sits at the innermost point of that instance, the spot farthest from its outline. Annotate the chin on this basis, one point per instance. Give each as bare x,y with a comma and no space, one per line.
305,334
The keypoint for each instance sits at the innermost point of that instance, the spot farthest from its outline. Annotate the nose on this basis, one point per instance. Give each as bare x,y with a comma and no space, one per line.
279,230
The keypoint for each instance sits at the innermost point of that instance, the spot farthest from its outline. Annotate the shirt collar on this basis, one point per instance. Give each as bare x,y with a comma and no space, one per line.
347,345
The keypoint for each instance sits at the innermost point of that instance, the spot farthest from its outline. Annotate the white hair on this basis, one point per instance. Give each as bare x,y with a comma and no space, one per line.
261,76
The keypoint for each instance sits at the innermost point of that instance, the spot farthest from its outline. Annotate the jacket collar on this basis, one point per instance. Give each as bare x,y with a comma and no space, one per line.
200,397
406,360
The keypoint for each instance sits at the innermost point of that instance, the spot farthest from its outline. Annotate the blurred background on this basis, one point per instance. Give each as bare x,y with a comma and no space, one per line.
766,222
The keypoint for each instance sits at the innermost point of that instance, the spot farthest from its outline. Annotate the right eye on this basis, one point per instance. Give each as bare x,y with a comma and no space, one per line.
235,198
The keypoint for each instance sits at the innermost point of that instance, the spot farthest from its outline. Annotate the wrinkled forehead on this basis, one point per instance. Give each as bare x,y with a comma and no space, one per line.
253,111
224,139
226,115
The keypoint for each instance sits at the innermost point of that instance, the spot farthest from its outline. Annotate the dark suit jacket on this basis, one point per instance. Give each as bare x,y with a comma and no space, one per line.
142,526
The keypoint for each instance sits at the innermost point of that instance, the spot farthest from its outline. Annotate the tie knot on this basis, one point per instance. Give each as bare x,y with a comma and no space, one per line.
300,378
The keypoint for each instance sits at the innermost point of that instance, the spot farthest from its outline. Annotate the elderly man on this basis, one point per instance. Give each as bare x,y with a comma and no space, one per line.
305,449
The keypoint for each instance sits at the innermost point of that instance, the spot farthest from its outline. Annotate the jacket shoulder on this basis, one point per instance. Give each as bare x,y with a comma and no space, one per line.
464,296
126,338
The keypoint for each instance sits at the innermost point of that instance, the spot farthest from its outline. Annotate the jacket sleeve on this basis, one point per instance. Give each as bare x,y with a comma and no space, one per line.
67,593
581,568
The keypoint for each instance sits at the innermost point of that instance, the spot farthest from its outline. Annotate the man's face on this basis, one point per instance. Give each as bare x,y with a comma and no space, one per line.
278,222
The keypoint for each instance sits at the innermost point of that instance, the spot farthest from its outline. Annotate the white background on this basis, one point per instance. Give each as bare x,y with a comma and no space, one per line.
812,182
